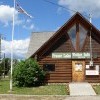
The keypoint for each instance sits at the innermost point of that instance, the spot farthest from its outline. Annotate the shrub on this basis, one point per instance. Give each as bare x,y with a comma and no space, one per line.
0,72
1,69
28,73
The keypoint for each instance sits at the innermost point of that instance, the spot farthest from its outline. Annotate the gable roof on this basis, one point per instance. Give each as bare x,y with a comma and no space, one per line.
37,39
66,26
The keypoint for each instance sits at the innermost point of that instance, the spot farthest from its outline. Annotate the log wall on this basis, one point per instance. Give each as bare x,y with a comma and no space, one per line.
63,67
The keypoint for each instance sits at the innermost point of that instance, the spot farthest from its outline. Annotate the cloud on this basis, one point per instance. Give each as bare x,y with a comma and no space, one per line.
59,10
20,48
6,15
28,21
86,6
32,26
29,27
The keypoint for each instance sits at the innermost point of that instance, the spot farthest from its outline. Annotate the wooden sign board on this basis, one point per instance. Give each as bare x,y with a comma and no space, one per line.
73,55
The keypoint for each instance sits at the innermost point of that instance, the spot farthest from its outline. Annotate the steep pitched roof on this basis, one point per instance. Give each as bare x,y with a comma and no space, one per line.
37,39
76,16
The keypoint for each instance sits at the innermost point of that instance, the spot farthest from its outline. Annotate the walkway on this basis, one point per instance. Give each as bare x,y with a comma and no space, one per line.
79,89
50,97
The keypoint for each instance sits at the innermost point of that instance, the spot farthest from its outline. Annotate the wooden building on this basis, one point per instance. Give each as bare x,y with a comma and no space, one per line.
66,54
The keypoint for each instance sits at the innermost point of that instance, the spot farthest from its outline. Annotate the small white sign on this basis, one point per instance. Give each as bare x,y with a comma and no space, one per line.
87,67
92,72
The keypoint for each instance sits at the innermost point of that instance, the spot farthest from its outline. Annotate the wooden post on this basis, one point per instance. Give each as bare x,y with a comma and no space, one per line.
77,37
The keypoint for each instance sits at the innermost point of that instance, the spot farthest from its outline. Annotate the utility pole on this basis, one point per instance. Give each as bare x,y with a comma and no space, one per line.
90,18
91,61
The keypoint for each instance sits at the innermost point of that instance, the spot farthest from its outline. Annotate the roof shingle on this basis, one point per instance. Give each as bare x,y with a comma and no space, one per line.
37,39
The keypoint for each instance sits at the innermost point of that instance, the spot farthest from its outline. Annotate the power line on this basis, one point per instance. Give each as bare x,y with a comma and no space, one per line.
59,5
63,7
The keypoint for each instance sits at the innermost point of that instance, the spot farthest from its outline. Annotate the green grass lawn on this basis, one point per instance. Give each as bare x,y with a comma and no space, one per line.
41,90
97,89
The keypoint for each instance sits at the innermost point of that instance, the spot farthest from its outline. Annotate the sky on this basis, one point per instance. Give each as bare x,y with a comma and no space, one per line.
46,17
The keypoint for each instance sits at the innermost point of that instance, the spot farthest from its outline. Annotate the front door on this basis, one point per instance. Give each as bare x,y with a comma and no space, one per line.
78,71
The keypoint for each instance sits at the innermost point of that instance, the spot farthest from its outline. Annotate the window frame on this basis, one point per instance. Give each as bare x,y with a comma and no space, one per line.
46,67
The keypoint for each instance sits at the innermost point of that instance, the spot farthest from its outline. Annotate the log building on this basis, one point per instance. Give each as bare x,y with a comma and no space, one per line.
66,54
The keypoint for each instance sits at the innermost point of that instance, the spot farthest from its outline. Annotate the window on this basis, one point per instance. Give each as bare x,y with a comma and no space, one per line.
49,67
82,35
78,67
72,35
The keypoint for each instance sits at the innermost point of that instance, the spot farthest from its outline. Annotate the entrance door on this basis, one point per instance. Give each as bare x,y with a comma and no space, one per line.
78,71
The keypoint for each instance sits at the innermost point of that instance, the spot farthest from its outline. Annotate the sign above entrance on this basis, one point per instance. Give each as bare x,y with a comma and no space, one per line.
80,55
74,55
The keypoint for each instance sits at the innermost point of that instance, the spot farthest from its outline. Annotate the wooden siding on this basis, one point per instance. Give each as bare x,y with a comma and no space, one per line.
62,45
92,78
60,42
96,50
63,69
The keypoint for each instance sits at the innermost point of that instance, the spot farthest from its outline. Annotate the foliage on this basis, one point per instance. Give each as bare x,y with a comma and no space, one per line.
6,64
28,73
0,71
97,88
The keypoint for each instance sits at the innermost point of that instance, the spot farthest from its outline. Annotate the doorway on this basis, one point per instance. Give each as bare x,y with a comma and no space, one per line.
78,71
